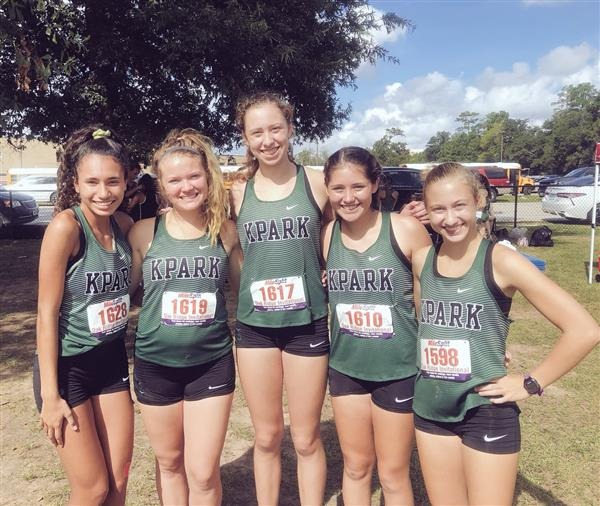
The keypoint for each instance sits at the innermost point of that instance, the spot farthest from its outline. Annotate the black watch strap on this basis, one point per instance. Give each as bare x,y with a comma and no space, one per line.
532,386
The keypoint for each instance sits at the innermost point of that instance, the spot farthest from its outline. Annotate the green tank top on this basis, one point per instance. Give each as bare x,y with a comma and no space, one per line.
95,304
373,322
183,321
463,324
280,284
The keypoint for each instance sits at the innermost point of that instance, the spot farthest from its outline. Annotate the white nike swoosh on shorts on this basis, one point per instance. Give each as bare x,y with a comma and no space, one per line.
210,387
403,400
488,439
315,345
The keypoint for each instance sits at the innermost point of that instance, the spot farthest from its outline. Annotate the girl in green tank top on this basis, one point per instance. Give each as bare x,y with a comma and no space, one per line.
466,287
278,208
183,259
373,328
82,381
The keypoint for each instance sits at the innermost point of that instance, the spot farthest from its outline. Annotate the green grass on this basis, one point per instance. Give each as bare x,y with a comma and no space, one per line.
559,461
534,197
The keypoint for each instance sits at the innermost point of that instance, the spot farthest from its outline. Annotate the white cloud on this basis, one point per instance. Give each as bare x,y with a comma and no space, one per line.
565,60
379,36
427,104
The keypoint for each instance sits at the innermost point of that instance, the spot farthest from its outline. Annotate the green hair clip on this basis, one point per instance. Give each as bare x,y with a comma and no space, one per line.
99,134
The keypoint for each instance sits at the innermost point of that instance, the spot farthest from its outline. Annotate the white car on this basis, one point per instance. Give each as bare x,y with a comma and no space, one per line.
574,201
41,188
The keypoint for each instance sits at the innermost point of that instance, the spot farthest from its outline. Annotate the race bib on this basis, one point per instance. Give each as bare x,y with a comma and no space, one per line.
446,359
365,320
281,294
107,318
188,308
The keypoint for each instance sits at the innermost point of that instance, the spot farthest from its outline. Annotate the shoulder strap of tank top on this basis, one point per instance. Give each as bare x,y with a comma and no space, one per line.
82,238
308,189
387,225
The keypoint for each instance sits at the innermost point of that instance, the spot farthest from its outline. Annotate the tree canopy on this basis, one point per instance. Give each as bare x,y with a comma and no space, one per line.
389,152
146,67
563,142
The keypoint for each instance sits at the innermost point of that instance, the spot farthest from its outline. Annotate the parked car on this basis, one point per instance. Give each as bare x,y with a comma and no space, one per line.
406,182
574,201
16,208
563,180
499,179
41,188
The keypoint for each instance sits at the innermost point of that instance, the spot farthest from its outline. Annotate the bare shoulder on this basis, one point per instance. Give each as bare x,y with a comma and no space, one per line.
410,234
229,235
316,179
401,222
511,269
141,232
124,221
62,235
63,225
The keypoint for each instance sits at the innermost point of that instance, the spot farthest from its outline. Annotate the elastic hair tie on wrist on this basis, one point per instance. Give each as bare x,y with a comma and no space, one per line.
100,134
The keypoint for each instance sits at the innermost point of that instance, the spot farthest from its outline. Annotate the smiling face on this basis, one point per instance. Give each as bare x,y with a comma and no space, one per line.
183,181
267,133
452,206
350,191
100,184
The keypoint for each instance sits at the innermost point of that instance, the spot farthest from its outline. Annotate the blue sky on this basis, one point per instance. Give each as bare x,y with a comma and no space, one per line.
481,56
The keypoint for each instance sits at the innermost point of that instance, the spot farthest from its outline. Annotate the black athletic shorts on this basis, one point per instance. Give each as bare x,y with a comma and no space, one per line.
490,428
161,385
306,340
102,370
394,395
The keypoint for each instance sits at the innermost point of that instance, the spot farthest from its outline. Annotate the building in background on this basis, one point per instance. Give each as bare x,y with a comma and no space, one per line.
24,159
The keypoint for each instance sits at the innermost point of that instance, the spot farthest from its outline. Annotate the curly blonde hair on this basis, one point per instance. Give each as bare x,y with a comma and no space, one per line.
264,97
80,144
190,142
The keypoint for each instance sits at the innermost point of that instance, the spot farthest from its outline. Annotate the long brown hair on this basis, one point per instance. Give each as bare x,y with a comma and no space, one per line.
190,142
92,139
263,97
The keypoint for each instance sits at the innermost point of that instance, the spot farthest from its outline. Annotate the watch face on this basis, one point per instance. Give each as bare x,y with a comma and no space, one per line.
531,385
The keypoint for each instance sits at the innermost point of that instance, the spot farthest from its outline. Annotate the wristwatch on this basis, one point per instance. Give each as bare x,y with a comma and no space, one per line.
532,386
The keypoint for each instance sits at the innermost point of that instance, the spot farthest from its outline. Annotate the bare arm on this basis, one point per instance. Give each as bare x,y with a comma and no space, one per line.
140,238
316,178
326,232
124,221
236,195
231,242
579,331
61,242
412,237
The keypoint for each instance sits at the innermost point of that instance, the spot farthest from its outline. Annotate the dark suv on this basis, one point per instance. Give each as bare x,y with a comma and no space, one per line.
404,181
16,207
